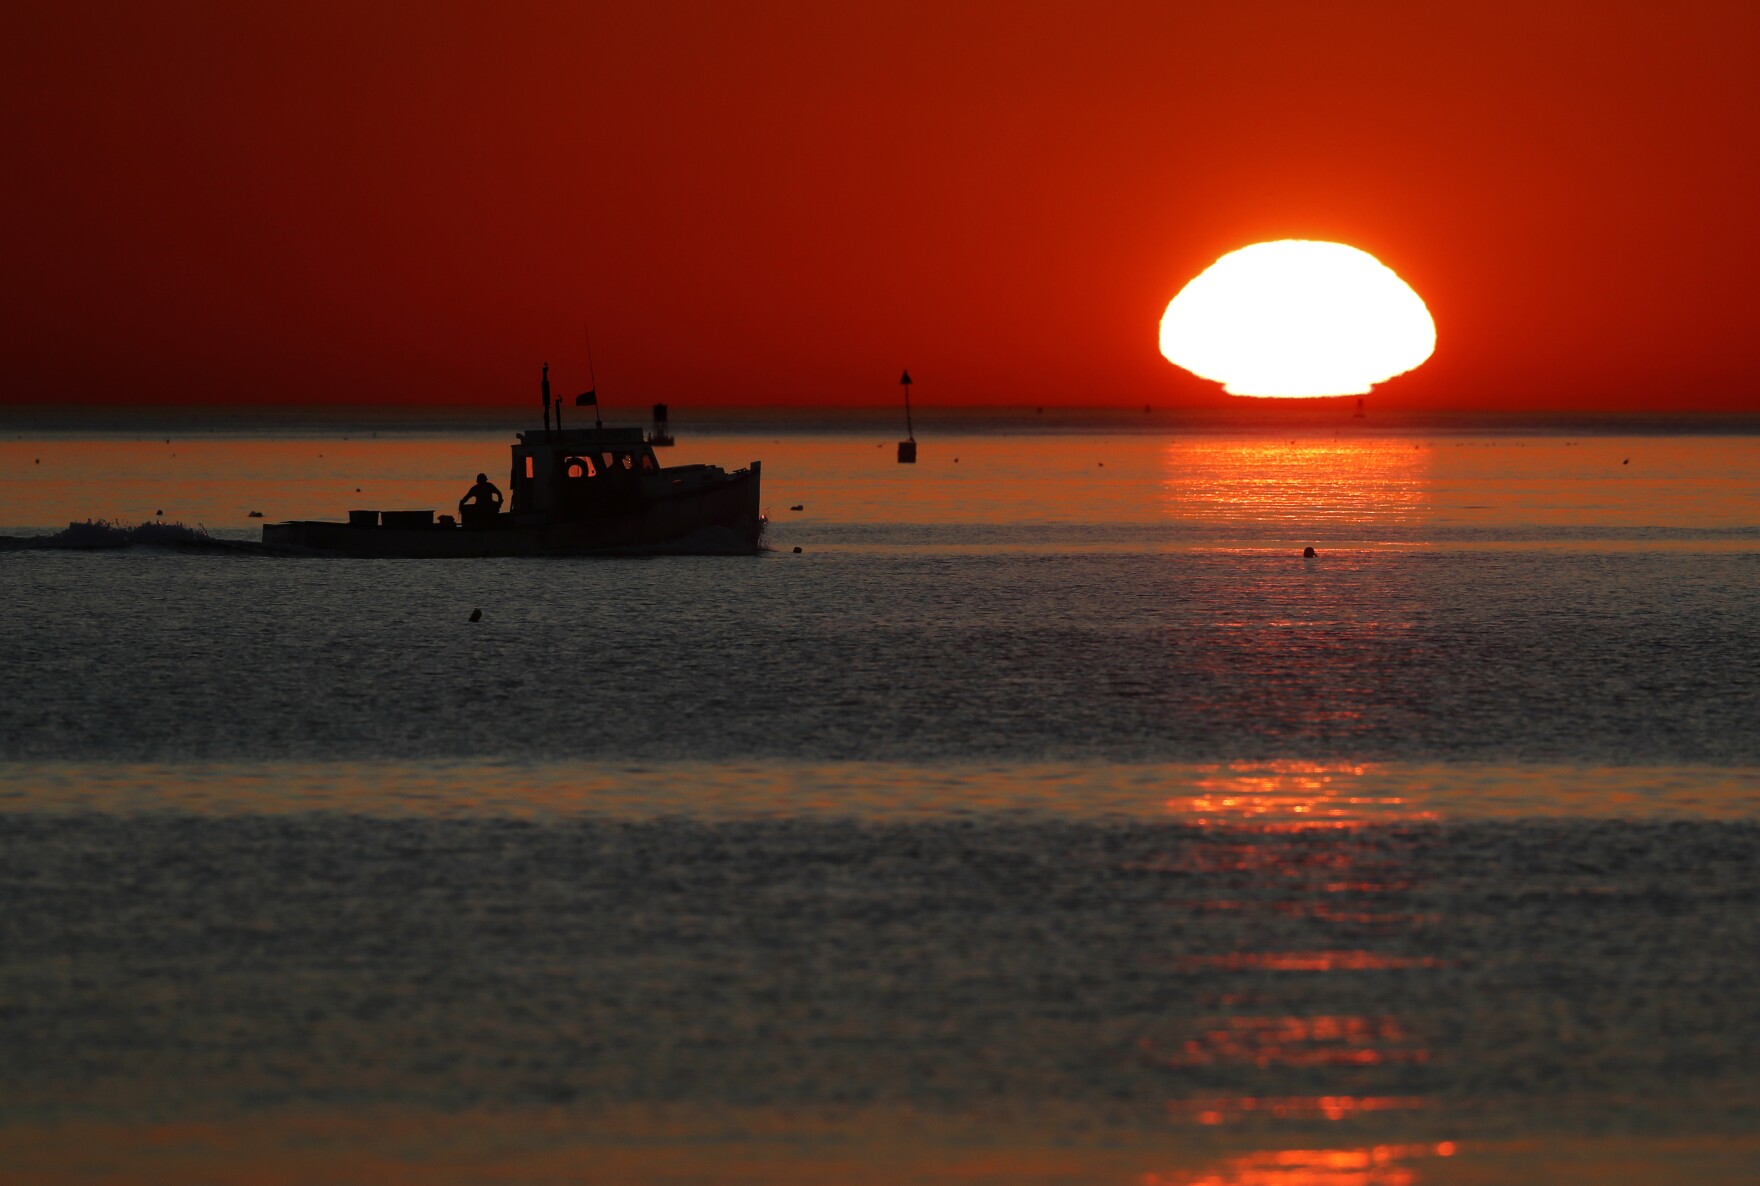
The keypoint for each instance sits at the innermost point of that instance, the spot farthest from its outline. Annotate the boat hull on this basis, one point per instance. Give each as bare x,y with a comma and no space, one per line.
717,519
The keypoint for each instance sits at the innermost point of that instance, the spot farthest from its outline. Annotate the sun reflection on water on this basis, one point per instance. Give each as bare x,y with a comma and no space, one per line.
1291,795
1316,1041
1373,1165
1300,485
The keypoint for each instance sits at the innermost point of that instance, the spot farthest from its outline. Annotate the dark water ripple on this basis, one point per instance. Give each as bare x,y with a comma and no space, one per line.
1431,655
1587,976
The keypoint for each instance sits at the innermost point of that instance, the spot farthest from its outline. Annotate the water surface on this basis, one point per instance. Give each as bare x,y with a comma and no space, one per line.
1046,818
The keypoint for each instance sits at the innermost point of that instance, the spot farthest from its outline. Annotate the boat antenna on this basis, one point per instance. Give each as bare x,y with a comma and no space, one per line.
593,378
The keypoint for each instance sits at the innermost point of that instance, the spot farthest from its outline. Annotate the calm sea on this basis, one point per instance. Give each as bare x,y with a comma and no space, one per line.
1047,818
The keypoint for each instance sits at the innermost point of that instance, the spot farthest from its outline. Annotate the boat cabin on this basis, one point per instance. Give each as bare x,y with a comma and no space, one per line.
576,472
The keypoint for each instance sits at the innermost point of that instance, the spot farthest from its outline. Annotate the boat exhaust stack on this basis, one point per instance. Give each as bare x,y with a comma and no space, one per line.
546,389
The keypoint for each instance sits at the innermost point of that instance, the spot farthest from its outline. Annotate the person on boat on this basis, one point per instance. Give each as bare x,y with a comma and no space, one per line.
481,503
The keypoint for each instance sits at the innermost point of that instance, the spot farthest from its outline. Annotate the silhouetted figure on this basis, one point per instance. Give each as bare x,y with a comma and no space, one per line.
481,504
1309,553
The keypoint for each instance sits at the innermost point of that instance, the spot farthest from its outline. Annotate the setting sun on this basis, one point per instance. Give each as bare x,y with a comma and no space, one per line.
1297,318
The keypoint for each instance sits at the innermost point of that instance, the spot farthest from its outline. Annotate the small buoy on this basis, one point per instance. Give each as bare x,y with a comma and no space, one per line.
160,513
799,506
1627,461
956,461
1309,553
1102,465
797,550
476,615
357,489
255,515
39,461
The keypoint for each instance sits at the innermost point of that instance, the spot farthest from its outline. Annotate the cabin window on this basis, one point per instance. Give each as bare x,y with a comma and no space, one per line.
629,462
530,470
648,461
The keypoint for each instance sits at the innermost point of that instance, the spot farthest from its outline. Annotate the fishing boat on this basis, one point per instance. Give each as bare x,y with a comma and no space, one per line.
577,491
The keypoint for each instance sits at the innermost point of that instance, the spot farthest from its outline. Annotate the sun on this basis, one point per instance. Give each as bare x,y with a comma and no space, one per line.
1297,318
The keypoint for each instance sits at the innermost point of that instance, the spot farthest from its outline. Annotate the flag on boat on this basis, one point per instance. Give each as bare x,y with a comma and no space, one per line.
587,397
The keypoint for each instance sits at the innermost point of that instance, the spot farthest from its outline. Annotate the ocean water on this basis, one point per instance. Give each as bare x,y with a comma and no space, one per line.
1046,818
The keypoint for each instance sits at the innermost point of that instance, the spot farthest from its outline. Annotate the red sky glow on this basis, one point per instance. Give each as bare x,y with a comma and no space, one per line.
786,203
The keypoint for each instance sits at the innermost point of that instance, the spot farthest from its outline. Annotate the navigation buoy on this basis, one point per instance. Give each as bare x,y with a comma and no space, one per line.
1309,553
797,550
907,448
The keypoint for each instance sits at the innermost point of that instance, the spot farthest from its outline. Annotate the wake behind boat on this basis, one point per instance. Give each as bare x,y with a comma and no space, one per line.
577,491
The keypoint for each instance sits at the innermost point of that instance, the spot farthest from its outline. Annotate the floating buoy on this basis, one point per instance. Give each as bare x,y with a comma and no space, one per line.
1627,461
907,448
159,514
797,550
476,615
255,515
799,506
1309,553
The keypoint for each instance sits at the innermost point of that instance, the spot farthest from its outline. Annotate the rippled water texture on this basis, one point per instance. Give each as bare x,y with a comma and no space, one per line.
1047,818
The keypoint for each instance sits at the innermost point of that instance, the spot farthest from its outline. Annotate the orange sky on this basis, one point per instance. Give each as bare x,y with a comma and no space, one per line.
788,202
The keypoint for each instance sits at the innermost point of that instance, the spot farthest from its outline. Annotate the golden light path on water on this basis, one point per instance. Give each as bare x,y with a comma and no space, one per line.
797,1147
1278,795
